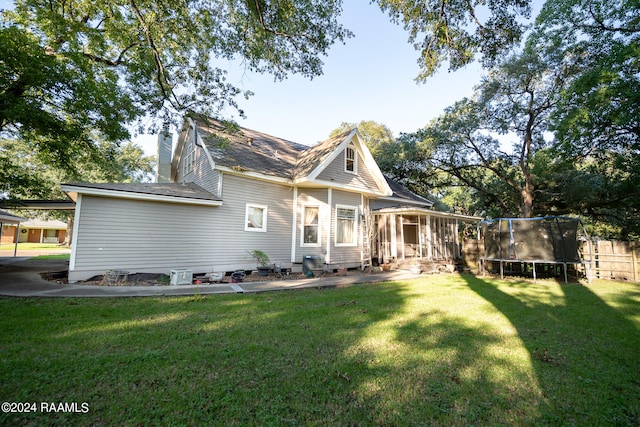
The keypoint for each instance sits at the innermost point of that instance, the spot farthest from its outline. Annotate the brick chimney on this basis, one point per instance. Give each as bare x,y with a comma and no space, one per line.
165,144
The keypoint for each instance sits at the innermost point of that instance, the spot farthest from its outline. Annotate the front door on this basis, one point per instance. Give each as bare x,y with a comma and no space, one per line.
411,240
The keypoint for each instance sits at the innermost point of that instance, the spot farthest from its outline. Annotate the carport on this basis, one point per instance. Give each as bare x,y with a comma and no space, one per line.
10,219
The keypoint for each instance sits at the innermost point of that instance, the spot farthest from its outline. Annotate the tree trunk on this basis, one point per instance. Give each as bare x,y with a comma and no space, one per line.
525,163
527,197
69,239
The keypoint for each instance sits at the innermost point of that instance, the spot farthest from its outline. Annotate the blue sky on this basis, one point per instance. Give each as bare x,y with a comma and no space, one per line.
371,77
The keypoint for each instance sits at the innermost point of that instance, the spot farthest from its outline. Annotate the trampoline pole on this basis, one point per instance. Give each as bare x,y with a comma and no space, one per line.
534,270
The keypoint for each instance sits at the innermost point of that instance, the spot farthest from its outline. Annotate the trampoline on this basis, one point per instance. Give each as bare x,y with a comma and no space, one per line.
535,241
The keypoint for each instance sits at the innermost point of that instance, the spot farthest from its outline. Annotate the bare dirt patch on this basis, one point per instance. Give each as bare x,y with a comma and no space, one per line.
151,279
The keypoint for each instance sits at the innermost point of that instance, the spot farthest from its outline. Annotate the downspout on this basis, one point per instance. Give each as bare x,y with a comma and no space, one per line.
330,217
362,228
294,226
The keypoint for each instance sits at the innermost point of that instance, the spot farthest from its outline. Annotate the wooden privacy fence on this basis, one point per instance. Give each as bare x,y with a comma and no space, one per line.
613,260
607,259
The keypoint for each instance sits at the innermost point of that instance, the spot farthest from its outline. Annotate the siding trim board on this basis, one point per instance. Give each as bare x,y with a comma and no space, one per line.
76,226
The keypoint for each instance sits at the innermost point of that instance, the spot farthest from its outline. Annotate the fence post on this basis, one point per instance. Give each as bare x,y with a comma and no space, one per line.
592,260
634,261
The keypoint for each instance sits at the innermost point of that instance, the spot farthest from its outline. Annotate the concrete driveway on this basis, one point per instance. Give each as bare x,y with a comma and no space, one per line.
20,277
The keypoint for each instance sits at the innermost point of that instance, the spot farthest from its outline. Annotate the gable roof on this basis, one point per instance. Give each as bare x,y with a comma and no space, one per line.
186,193
403,195
239,149
244,149
312,157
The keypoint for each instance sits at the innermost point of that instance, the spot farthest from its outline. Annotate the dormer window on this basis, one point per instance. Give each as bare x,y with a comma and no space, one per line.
350,159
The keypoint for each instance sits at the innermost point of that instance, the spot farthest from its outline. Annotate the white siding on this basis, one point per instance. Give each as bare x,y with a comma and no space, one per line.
350,256
203,174
139,236
313,197
276,242
334,172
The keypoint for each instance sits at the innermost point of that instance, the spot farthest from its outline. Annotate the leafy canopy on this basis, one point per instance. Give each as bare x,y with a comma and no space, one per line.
76,73
455,31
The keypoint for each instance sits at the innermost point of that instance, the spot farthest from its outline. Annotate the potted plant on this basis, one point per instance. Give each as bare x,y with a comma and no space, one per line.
263,261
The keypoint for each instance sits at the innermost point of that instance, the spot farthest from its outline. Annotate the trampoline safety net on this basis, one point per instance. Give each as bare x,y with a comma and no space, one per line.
531,239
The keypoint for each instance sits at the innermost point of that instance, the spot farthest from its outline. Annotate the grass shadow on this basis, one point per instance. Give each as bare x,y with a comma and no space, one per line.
585,350
447,350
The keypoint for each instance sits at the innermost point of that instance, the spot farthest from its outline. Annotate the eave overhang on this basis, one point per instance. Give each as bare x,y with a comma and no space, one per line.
73,191
424,211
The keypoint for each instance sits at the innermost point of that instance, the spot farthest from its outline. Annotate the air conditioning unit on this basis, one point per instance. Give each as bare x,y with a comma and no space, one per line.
181,277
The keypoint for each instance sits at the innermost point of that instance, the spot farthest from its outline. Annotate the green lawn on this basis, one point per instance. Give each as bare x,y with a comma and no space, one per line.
441,350
32,246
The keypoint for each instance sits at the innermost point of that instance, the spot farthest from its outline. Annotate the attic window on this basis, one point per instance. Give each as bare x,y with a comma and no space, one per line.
350,159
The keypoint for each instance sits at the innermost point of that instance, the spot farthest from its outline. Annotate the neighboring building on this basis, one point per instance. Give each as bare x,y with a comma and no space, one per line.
42,231
33,231
229,190
9,224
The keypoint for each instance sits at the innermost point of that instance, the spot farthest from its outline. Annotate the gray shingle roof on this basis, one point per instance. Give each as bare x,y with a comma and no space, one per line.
9,218
248,150
185,191
402,192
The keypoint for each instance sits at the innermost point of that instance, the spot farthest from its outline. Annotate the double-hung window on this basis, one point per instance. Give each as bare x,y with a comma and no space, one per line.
190,159
346,225
350,159
255,218
311,226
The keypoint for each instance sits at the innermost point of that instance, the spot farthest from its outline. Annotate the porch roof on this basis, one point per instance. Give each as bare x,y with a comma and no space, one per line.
424,211
9,218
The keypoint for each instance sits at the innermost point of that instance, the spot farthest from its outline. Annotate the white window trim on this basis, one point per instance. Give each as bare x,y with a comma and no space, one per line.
190,159
302,242
355,226
265,210
355,159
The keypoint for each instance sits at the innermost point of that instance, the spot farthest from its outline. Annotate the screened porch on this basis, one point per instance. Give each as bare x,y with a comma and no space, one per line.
405,234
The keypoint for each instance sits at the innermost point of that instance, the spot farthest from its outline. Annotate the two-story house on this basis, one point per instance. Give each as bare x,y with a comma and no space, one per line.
226,190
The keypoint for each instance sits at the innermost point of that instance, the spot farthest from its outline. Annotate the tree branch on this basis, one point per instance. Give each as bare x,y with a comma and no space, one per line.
271,30
473,15
603,26
161,75
114,63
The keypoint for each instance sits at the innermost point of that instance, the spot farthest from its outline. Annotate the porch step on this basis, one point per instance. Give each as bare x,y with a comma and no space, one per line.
428,266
